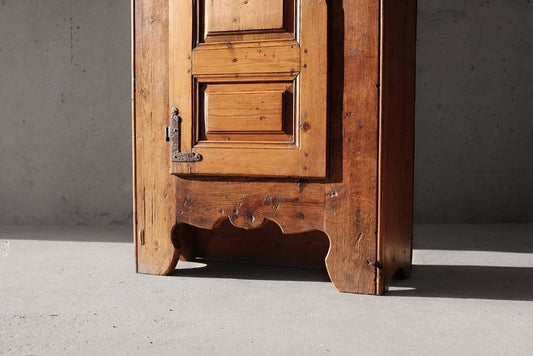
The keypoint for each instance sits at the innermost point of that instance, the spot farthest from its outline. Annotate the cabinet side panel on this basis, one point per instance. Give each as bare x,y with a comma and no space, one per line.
154,206
398,26
351,198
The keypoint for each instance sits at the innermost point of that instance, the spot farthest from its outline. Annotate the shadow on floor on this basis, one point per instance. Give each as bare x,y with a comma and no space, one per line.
438,281
478,282
433,281
251,271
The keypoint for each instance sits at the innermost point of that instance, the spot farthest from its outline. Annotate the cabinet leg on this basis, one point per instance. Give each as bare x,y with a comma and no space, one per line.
349,269
155,250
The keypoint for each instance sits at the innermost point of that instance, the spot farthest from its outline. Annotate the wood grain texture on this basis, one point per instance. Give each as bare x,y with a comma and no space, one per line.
230,15
245,107
397,138
364,203
296,151
179,66
155,208
273,57
245,21
312,111
351,207
244,113
294,207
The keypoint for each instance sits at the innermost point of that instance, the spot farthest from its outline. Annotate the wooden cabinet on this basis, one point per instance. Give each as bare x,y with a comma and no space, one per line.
258,118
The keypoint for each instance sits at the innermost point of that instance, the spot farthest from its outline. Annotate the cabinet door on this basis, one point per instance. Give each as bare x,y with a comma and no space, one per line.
249,81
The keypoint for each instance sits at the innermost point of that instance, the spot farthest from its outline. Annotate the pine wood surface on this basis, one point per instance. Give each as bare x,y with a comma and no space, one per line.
228,15
247,108
397,109
300,61
155,209
244,112
274,57
368,237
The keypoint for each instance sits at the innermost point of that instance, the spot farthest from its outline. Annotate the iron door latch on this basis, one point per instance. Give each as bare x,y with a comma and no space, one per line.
173,135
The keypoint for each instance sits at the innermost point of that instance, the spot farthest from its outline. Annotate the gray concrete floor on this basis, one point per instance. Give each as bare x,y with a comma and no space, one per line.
73,290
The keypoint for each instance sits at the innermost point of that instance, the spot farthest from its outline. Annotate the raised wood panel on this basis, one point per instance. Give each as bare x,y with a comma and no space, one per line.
253,20
244,107
239,15
238,112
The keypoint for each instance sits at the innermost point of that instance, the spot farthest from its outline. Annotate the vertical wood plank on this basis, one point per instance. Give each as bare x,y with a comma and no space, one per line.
397,137
155,210
351,206
179,64
313,84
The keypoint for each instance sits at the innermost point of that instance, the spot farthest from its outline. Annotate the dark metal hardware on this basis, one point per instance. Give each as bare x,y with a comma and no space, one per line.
173,135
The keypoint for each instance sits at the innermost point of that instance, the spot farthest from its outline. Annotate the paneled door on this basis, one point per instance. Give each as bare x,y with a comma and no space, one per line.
248,87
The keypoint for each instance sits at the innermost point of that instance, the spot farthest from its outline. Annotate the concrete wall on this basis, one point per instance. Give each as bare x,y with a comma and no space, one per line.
474,124
65,139
65,111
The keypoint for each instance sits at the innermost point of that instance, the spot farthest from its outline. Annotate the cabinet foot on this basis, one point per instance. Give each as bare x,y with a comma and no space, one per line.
156,253
349,272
